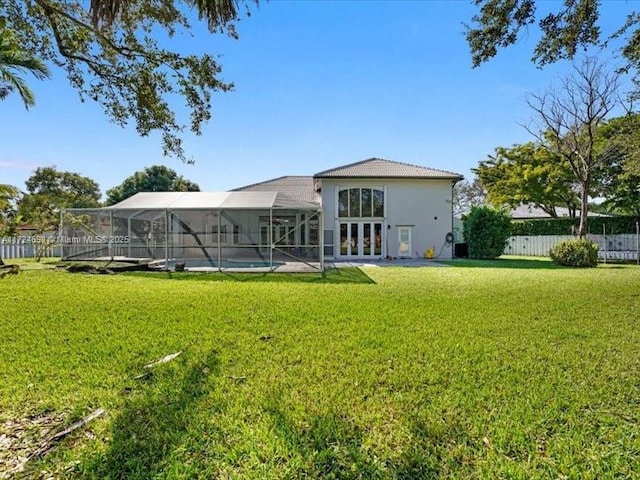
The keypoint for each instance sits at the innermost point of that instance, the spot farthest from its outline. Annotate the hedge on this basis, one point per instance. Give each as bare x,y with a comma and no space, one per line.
567,226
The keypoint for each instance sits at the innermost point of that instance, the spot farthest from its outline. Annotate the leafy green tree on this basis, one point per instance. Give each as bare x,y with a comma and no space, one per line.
13,62
621,190
50,190
620,178
486,231
501,23
157,178
9,218
466,194
528,174
111,52
9,196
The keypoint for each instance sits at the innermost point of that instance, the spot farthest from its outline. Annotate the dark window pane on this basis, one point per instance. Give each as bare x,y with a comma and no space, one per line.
354,202
377,232
344,241
354,239
366,202
367,239
378,203
343,203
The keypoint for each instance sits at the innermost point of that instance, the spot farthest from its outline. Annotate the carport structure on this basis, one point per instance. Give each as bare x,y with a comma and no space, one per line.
201,230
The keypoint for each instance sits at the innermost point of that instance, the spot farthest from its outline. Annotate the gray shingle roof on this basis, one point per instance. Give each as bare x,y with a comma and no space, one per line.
528,211
297,187
381,168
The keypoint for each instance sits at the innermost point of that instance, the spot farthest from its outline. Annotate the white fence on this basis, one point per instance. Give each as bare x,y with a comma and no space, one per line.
27,246
612,247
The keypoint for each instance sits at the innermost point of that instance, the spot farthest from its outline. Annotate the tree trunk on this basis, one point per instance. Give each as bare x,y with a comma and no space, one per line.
584,209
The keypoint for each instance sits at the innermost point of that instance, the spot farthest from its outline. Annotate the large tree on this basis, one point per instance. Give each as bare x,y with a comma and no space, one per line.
9,196
565,31
620,180
567,118
50,190
118,53
157,178
13,62
529,174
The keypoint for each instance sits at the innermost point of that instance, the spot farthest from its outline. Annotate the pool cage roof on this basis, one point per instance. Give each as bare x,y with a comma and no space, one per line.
212,201
201,230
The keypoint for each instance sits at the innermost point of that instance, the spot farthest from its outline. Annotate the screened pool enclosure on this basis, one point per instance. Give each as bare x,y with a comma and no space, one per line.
199,231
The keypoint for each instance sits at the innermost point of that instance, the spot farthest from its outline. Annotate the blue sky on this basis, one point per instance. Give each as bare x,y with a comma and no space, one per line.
318,84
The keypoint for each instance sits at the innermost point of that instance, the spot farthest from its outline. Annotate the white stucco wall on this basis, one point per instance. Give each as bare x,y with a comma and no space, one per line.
423,204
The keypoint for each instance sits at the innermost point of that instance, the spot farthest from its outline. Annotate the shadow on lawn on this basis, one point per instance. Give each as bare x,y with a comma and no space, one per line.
434,450
327,446
334,446
155,418
525,263
352,275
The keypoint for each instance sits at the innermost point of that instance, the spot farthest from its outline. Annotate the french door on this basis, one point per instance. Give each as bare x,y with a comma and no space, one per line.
281,235
361,239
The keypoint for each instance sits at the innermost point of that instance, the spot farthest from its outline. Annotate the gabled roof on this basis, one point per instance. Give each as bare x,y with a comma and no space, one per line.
381,168
210,201
296,187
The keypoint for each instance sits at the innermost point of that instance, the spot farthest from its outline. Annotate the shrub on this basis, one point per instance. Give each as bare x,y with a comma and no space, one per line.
575,253
486,231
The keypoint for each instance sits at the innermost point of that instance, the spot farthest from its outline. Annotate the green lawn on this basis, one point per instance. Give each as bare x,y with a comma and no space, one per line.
494,370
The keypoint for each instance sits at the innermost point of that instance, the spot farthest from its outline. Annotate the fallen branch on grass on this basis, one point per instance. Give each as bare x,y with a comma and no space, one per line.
143,375
165,359
238,379
150,366
9,270
60,435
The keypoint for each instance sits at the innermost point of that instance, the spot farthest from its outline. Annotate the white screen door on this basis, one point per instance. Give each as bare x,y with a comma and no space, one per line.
404,241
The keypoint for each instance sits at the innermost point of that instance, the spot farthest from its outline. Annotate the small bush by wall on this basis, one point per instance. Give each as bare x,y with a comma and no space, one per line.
575,253
486,231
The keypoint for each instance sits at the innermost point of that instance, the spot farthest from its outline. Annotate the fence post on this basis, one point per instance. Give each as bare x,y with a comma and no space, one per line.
604,240
637,243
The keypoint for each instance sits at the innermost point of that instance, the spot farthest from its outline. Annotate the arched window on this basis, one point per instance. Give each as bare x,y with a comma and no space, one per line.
361,202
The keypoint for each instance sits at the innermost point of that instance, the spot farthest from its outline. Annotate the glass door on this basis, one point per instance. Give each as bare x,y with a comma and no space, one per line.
360,239
349,239
404,241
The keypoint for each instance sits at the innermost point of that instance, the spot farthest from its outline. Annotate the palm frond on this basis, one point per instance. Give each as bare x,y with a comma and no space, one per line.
13,62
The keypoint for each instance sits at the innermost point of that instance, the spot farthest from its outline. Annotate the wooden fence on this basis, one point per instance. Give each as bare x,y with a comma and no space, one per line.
27,246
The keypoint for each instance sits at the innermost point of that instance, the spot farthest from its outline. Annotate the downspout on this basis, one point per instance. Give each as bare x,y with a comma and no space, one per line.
453,243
